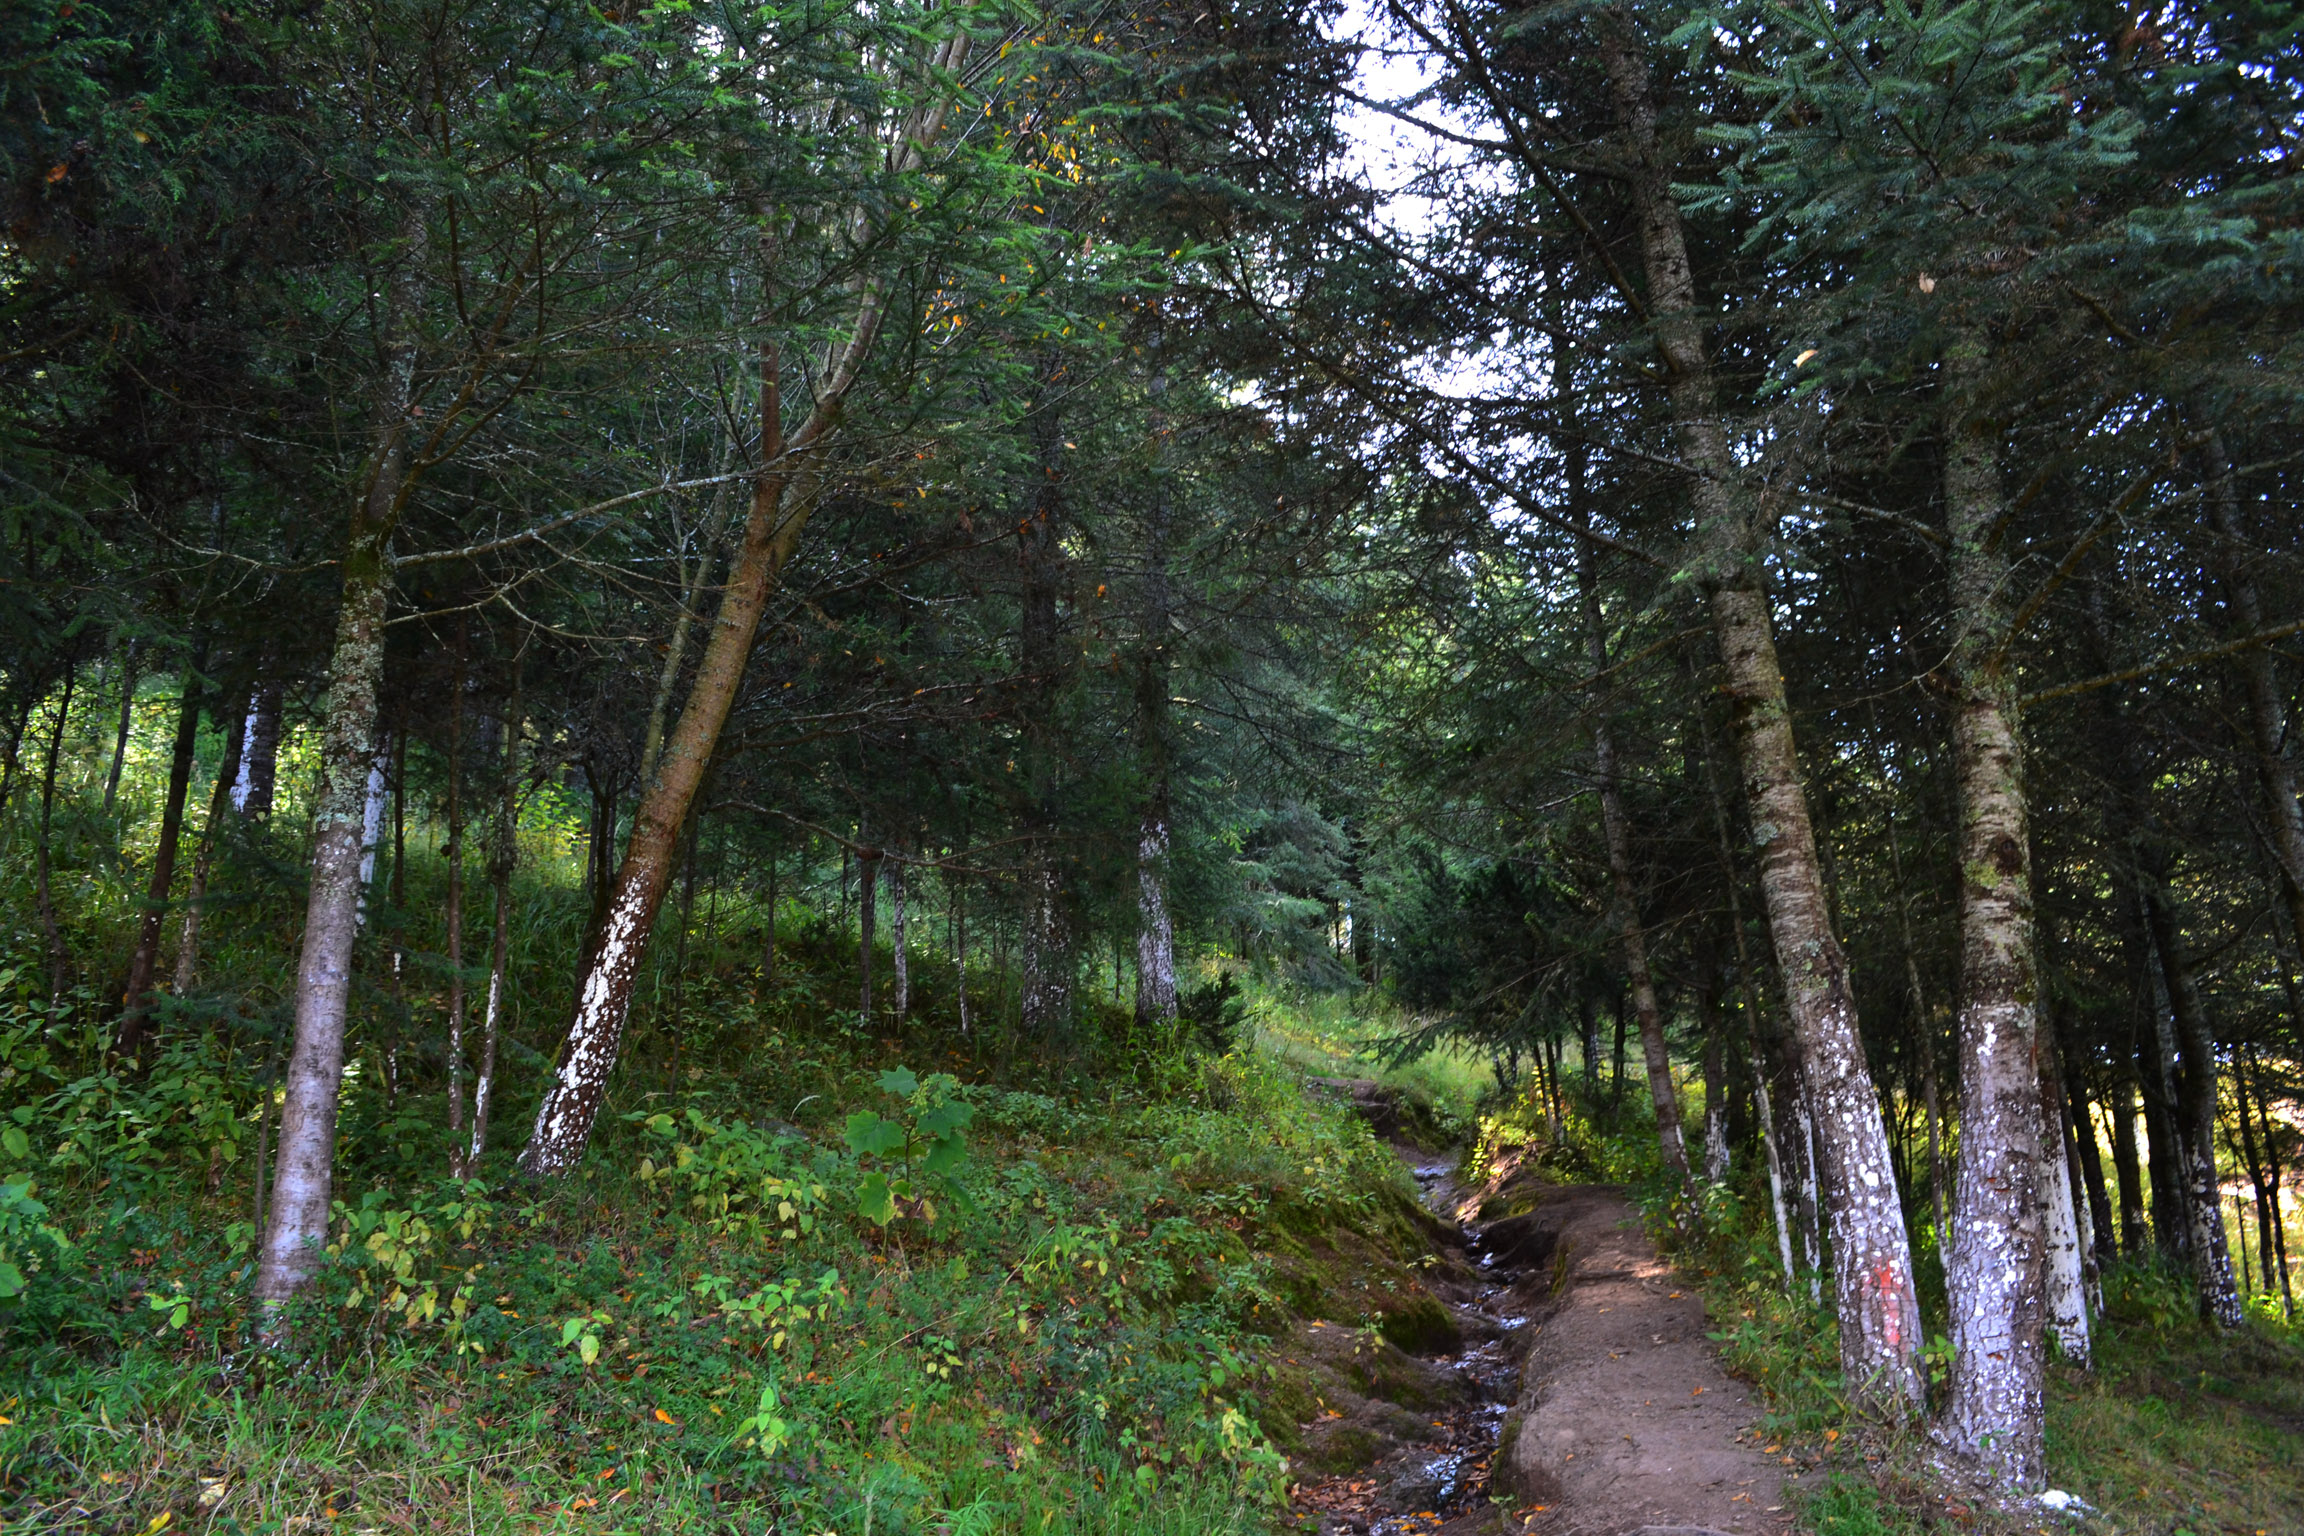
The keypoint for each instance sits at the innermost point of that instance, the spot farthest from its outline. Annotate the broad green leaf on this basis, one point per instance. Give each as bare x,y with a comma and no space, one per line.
900,1081
875,1202
869,1135
944,1119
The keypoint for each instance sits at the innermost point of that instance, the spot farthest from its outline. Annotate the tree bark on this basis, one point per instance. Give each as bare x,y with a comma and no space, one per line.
867,919
136,1000
2272,1160
2135,1234
203,862
959,898
43,890
303,1176
1878,1309
453,853
1715,1084
2267,707
2195,1114
1155,926
2105,1238
782,499
1994,1261
1923,1018
899,962
503,859
128,660
1616,828
2066,1268
260,743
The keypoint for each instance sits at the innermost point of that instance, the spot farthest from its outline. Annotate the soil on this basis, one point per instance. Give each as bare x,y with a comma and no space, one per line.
1583,1398
1625,1419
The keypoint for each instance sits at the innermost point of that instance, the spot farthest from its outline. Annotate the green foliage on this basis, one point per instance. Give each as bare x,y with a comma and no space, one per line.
918,1150
1218,1013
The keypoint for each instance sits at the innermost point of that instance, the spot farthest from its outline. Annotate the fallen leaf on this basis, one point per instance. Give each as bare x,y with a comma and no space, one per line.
664,1418
58,172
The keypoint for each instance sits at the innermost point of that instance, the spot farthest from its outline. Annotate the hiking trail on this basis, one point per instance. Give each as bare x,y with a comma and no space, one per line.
1583,1399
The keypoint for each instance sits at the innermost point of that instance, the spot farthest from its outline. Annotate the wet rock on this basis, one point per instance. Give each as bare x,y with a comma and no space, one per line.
1519,1242
1420,1325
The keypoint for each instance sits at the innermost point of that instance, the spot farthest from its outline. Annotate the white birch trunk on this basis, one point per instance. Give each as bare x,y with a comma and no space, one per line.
2067,1286
899,965
1760,1101
372,821
1994,1263
1155,932
303,1178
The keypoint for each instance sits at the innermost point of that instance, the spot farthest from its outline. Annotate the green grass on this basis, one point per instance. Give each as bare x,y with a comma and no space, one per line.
1342,1034
1077,1339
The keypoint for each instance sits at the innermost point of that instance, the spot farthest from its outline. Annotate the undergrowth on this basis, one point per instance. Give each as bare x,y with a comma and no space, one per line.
816,1277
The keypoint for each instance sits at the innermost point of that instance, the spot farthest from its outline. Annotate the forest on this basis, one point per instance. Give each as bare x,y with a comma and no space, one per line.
960,766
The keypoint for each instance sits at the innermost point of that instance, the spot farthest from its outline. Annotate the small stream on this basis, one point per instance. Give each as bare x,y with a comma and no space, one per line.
1416,1491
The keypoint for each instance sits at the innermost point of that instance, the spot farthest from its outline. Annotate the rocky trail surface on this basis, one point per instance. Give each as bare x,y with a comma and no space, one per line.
1581,1398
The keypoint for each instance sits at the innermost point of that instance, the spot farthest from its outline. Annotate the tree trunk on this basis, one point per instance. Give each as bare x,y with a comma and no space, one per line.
136,999
128,660
43,891
1155,927
2184,1082
2195,1107
303,1178
453,853
2267,707
2256,1183
1616,826
960,941
503,859
13,758
782,499
2171,1227
768,940
1616,1058
396,901
2134,1234
2104,1238
1715,1084
867,919
2066,1267
1878,1309
260,743
1588,1044
2272,1161
1923,1019
899,963
692,578
1994,1261
203,863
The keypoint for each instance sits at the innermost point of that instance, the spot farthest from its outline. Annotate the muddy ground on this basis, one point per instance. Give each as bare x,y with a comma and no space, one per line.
1580,1396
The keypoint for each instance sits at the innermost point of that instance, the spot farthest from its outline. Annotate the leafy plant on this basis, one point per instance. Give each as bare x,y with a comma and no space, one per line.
28,1243
917,1149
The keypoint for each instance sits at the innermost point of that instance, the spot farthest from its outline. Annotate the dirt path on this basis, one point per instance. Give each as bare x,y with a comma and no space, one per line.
1584,1400
1625,1420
